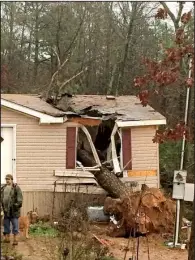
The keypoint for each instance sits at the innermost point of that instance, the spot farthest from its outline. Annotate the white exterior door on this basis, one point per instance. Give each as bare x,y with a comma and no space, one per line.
7,152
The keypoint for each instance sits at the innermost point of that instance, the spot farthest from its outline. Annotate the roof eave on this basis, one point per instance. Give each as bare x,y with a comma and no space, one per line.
140,123
44,118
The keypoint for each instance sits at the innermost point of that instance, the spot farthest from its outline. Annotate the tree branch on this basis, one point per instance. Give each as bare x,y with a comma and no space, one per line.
179,12
69,80
172,16
58,58
54,76
77,32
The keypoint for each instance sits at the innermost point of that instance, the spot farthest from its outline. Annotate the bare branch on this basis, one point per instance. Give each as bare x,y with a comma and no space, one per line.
77,33
111,80
172,16
58,58
123,13
179,12
69,80
55,75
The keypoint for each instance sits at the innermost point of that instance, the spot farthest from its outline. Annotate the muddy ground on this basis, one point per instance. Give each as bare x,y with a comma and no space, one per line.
42,248
37,249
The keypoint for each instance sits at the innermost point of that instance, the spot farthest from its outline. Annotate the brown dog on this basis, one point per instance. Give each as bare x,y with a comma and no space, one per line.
25,221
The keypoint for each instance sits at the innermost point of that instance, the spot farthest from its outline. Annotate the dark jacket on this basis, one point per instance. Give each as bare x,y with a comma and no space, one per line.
15,202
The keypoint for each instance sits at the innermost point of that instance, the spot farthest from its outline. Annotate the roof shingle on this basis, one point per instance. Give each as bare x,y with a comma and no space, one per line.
126,108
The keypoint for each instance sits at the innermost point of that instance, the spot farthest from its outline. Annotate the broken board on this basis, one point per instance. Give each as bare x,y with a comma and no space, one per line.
141,173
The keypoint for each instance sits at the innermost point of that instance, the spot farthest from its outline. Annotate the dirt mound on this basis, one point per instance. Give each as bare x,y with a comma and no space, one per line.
147,211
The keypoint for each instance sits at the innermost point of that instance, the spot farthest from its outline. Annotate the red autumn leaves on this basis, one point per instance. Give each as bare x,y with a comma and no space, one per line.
166,71
161,14
186,17
172,134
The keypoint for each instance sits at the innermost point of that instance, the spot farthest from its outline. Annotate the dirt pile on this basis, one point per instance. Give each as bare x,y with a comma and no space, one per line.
145,211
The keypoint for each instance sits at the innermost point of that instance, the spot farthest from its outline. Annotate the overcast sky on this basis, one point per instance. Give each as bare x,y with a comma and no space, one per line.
174,6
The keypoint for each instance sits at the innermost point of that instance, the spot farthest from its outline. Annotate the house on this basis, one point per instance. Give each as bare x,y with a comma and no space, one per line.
39,143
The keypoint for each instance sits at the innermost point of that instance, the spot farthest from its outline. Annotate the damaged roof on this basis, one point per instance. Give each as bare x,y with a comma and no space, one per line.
124,108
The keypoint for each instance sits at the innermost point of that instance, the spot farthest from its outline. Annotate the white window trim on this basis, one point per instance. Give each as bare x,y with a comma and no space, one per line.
140,123
14,148
121,151
44,119
116,164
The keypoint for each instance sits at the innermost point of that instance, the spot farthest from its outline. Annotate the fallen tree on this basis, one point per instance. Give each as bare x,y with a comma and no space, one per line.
105,178
145,210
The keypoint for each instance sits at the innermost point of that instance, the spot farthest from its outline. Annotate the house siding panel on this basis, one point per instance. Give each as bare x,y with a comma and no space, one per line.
40,149
144,151
145,154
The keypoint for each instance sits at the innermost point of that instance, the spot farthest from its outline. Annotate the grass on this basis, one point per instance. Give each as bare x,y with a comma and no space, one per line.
43,229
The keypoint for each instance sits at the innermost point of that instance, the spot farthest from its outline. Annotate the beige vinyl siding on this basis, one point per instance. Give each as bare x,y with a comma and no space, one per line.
40,149
144,151
145,154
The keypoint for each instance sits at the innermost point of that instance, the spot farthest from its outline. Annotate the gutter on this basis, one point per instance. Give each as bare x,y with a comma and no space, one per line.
140,123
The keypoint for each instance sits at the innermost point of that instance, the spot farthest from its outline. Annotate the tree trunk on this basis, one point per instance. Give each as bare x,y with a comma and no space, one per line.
110,85
191,246
58,33
11,34
23,28
106,179
175,20
36,59
10,42
127,43
108,19
150,203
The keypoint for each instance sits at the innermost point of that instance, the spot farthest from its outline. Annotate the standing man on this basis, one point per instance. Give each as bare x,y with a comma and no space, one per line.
11,199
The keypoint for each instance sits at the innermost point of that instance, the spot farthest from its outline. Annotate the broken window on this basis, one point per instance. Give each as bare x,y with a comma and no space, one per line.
96,140
118,143
79,138
102,140
100,136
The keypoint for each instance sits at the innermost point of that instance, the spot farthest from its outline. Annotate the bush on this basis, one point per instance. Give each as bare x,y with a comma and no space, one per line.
43,229
170,158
